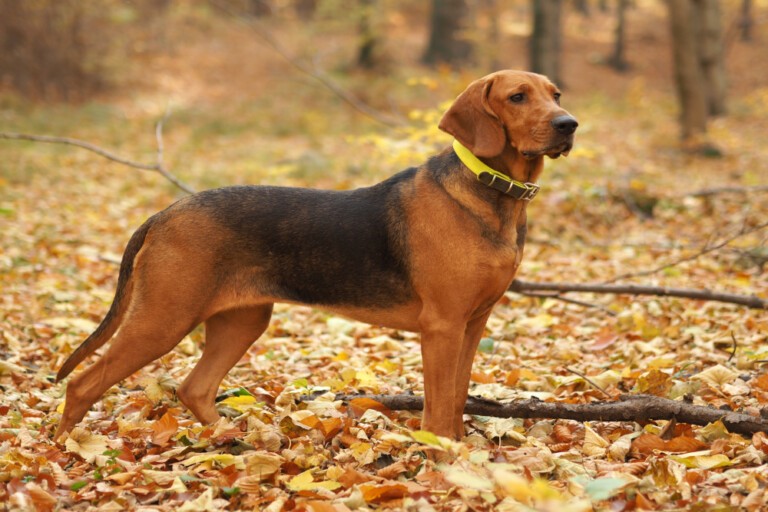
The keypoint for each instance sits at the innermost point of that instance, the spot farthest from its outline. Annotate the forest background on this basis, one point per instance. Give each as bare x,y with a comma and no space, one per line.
665,189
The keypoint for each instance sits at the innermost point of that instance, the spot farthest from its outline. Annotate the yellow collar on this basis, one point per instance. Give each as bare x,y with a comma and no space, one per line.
493,178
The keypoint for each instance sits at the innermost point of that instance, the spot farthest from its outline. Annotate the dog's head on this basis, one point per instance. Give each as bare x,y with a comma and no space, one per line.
514,108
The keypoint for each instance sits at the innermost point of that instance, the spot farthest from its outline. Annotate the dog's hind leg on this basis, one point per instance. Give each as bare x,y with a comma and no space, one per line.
228,334
135,345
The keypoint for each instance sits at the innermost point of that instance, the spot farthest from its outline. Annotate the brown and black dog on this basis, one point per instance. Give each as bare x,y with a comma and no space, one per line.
429,250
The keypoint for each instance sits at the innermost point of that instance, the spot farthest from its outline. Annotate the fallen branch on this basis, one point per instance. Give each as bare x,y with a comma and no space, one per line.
751,301
726,190
637,408
158,166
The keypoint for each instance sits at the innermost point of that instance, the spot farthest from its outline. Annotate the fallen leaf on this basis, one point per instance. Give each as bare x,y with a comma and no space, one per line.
85,444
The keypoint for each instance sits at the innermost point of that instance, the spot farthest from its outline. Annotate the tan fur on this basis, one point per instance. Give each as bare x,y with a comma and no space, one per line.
464,245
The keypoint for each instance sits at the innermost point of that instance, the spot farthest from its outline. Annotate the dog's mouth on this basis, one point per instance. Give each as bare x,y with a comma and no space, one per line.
554,151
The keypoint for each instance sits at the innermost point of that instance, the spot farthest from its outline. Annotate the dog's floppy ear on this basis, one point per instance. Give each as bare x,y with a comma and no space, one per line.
472,121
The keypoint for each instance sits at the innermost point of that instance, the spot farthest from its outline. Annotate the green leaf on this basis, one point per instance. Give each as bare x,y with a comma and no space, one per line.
230,491
486,345
78,485
604,488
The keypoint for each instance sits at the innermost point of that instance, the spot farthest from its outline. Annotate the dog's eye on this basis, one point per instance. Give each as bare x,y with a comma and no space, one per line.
557,98
517,98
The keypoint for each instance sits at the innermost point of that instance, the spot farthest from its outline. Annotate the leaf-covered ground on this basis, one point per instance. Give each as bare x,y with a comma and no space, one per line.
616,208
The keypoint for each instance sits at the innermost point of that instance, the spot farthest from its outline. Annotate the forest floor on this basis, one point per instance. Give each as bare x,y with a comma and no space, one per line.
621,208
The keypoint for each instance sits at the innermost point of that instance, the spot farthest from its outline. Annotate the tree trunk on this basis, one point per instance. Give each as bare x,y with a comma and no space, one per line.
746,21
582,6
689,77
545,38
369,38
709,35
618,60
447,43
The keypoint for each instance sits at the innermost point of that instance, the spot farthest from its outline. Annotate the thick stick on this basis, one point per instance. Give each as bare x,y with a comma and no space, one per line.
751,301
638,408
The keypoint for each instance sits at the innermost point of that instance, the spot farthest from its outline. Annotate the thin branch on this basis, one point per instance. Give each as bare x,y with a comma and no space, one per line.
726,190
568,300
587,379
158,167
751,301
312,71
637,408
706,250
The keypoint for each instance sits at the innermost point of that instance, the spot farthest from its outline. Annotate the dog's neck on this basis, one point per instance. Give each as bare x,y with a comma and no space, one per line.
512,163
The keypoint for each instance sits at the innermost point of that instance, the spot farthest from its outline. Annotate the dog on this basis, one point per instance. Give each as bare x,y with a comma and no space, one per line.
429,250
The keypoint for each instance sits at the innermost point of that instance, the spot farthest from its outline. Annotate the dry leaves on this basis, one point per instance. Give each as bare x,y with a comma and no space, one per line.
138,448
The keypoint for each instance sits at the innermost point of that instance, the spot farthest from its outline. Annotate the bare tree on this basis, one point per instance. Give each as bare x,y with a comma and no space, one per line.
618,59
746,21
447,40
546,38
698,60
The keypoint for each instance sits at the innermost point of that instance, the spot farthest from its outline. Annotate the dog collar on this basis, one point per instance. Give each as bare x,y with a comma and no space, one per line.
493,178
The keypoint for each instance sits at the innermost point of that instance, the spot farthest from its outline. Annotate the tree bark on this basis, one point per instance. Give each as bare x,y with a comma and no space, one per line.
369,38
618,60
546,38
448,43
710,48
689,76
746,21
638,408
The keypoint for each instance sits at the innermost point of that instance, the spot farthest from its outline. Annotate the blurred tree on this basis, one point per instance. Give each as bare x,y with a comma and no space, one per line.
698,60
259,8
546,38
582,6
447,39
55,49
707,20
369,36
746,21
305,9
618,59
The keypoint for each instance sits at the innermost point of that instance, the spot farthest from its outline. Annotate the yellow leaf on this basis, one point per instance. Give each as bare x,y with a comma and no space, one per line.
241,403
218,459
262,464
425,437
468,480
594,445
716,375
86,444
702,460
305,482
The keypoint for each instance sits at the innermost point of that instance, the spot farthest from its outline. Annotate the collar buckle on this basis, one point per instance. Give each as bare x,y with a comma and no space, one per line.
531,189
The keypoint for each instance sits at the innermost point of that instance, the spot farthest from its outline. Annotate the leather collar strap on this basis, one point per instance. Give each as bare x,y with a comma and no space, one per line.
493,178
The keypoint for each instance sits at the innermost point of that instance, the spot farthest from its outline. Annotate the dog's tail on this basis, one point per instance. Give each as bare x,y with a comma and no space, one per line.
114,316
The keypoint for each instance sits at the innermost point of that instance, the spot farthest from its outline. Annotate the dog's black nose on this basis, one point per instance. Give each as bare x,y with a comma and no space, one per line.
565,124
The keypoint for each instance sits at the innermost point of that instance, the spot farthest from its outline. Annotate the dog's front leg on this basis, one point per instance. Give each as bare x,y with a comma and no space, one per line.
472,335
441,349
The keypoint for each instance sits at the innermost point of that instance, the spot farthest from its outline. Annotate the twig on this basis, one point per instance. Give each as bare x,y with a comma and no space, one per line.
592,383
706,250
751,301
158,167
637,408
312,71
569,300
726,190
733,352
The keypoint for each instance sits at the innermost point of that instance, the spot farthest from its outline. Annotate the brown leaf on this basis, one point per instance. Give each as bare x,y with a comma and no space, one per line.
375,493
164,428
360,405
